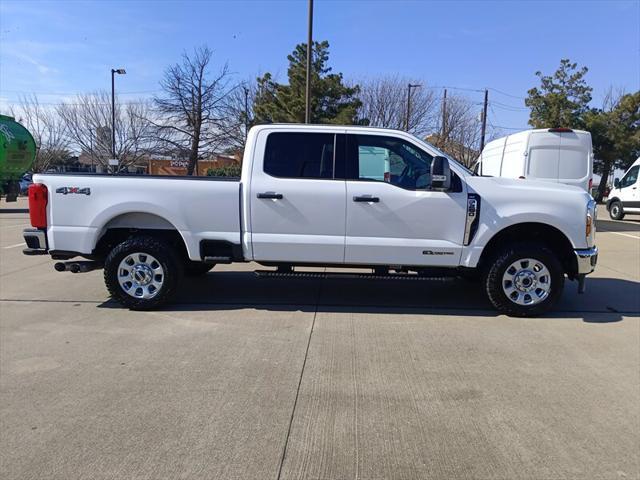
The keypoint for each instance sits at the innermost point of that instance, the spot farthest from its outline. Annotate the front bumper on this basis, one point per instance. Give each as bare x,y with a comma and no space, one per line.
587,259
36,241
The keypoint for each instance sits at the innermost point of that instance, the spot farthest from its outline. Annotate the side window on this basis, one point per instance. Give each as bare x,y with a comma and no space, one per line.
630,178
388,159
299,155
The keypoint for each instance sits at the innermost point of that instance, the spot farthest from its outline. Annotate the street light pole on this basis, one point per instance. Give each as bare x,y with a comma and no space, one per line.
246,112
484,119
119,71
307,96
409,87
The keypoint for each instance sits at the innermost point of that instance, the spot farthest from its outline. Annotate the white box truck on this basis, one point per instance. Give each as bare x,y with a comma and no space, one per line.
559,155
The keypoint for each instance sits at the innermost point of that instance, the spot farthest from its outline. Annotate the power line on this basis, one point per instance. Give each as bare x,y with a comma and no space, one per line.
506,94
505,106
24,92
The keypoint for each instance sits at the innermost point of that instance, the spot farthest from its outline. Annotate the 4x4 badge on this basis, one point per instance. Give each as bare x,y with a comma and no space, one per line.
76,190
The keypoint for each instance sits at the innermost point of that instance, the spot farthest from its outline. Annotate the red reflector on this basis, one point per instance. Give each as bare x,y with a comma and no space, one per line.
560,130
38,205
590,184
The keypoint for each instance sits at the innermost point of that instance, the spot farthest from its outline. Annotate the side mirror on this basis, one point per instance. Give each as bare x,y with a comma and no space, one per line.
440,174
616,183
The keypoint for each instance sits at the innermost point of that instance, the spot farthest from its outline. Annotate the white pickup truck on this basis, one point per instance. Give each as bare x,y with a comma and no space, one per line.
333,196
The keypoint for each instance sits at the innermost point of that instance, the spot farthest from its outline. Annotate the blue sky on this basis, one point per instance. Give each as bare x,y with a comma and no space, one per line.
57,49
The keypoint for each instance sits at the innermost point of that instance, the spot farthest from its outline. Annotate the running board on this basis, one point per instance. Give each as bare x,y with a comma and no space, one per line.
366,276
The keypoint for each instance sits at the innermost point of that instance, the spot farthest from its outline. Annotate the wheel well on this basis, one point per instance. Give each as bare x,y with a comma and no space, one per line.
114,236
551,237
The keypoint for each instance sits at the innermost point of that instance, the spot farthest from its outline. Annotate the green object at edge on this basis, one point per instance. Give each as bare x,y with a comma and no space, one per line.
17,150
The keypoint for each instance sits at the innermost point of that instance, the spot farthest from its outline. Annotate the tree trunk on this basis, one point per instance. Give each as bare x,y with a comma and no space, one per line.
193,154
606,170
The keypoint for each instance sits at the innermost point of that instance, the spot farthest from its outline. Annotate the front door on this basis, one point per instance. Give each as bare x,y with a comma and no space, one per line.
297,200
393,218
628,190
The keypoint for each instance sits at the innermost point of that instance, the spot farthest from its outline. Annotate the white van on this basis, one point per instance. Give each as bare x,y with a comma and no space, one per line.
556,154
625,196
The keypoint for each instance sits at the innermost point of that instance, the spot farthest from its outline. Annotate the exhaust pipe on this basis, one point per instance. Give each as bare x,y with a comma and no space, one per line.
82,266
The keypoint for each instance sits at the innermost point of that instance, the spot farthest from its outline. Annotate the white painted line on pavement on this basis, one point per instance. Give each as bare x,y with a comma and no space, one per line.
16,245
14,226
620,233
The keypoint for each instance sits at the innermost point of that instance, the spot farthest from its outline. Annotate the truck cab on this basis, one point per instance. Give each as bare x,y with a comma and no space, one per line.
625,196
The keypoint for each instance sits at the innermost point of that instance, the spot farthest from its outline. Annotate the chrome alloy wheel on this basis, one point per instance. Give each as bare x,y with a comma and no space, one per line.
140,275
526,282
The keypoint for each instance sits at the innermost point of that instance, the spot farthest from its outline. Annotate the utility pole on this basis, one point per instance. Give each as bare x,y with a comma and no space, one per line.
484,119
409,87
444,119
307,100
246,112
119,71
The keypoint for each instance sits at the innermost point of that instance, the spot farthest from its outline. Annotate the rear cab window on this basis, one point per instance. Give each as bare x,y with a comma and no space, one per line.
300,155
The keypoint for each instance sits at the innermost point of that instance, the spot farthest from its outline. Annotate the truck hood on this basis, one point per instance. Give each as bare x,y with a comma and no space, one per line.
517,187
506,202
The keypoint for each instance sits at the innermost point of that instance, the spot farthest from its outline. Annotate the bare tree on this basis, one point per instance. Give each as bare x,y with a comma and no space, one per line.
88,124
238,116
193,106
459,130
384,104
48,131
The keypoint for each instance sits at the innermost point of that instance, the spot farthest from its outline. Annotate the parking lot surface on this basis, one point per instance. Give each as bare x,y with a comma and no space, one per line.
247,378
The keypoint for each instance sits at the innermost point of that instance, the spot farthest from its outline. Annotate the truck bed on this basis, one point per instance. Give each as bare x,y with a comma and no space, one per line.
82,206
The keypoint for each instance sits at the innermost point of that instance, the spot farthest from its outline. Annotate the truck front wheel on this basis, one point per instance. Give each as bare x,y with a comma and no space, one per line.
142,272
524,280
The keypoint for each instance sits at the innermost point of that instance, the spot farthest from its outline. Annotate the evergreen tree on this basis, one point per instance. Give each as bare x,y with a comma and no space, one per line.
562,99
615,130
331,100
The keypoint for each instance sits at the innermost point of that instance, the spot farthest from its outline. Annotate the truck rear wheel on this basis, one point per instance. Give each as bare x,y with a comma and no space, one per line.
142,272
524,280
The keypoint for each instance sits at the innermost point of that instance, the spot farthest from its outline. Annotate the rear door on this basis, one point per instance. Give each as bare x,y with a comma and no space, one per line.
543,156
393,218
298,197
575,159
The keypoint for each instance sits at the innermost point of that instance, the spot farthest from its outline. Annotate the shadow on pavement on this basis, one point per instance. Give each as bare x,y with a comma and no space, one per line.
616,226
606,300
14,210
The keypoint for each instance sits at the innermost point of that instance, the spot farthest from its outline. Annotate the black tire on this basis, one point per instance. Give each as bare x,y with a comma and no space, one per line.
616,212
494,275
195,269
172,271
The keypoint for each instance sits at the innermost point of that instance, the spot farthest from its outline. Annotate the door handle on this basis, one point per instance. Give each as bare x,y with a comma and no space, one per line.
366,198
271,195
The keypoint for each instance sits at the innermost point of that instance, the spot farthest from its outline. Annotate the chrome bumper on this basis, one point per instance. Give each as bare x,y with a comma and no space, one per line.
587,259
36,241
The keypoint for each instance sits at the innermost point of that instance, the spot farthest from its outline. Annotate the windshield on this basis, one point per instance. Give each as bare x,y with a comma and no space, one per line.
448,157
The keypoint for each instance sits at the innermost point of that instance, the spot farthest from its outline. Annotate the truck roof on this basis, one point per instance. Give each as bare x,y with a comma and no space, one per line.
325,126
